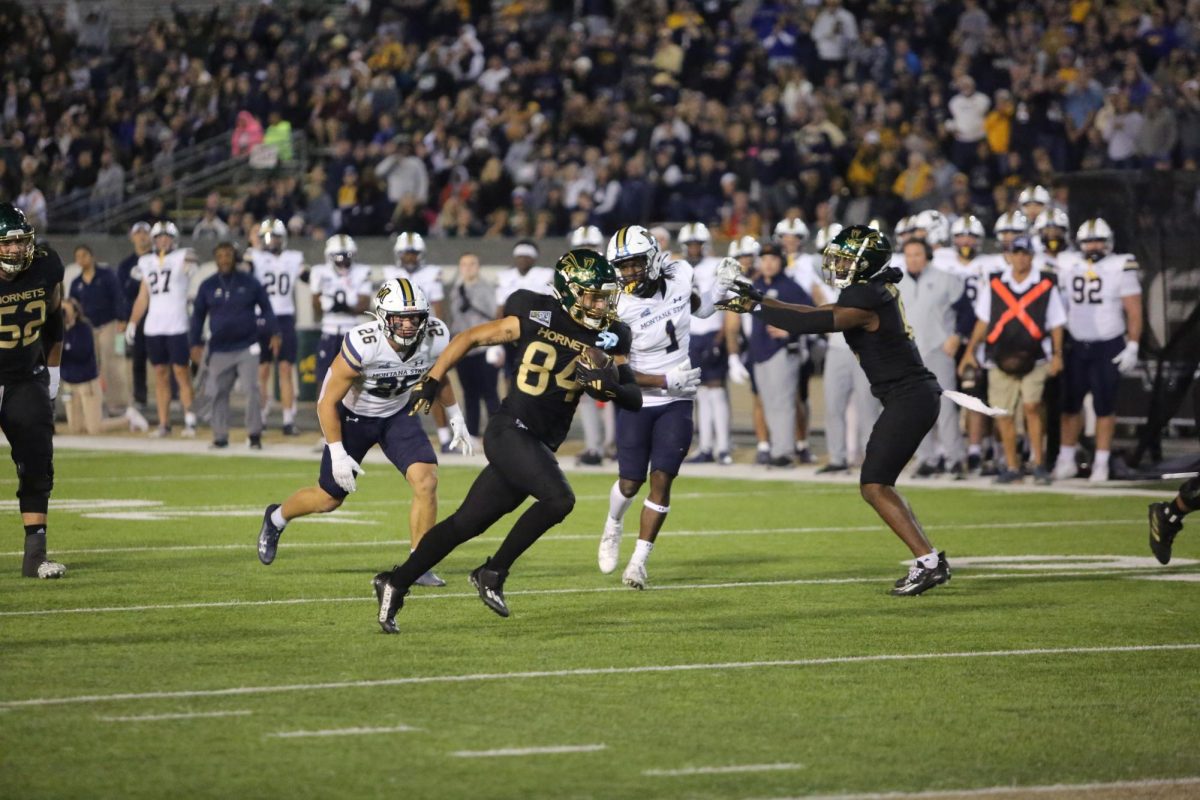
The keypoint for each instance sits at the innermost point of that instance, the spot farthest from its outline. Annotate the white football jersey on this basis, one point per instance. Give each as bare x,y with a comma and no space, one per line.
704,277
1093,294
333,286
427,277
168,278
661,328
803,270
537,279
1046,262
971,272
278,275
385,380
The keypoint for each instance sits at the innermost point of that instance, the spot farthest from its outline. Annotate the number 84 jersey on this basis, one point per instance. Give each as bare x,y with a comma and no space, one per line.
386,378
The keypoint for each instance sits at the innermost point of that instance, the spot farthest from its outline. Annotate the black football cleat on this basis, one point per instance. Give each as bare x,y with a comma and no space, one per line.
390,599
291,430
920,579
1165,524
490,585
268,536
35,563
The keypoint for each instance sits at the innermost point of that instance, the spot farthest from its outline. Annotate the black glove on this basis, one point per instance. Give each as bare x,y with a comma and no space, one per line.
424,395
598,382
464,304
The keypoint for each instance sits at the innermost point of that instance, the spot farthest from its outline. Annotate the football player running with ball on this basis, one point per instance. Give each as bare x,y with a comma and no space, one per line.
364,401
563,346
871,315
657,304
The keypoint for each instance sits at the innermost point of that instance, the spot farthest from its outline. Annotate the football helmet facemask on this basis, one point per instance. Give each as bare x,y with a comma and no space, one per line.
1095,239
16,240
967,234
402,309
634,255
1053,226
855,255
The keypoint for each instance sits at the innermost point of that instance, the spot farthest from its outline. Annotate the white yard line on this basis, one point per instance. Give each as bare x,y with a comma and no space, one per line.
190,715
341,732
1004,791
727,770
530,751
584,672
587,537
678,587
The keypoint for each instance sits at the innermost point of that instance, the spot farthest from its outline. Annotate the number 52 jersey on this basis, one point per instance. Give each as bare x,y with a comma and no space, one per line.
385,377
24,305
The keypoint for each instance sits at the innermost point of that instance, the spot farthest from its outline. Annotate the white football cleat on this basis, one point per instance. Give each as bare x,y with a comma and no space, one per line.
1099,474
610,544
137,422
635,575
51,569
430,579
1065,469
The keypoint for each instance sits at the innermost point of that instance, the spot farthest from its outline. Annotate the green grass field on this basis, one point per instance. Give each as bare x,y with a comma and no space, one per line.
767,661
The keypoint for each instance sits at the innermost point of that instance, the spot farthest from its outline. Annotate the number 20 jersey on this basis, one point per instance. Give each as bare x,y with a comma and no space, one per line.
385,377
661,327
544,393
24,305
278,275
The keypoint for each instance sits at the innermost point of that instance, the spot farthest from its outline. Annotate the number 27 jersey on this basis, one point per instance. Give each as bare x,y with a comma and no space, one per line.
385,377
544,392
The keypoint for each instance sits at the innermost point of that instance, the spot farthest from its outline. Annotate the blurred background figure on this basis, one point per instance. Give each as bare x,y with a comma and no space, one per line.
470,302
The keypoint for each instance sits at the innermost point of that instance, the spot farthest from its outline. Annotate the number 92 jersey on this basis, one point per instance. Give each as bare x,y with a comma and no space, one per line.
24,305
661,327
544,393
386,378
1094,293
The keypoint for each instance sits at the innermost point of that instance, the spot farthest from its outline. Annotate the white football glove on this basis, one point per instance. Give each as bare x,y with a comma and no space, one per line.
130,334
728,272
55,376
458,429
737,370
344,467
494,355
682,380
1127,359
326,303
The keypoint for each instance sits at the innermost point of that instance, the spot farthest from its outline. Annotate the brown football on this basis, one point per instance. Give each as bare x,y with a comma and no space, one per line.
596,358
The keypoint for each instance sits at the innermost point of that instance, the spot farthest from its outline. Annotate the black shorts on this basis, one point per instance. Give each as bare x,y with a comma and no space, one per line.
908,414
287,331
171,349
400,436
1090,369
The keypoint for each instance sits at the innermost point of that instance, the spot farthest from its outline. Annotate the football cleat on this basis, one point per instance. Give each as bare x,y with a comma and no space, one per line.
920,579
254,442
35,564
925,470
390,599
804,456
762,457
490,585
137,422
589,458
1009,476
724,459
703,457
958,471
1099,473
1065,469
780,462
974,462
219,444
268,536
832,468
161,432
610,544
1041,476
291,430
635,575
1165,524
430,579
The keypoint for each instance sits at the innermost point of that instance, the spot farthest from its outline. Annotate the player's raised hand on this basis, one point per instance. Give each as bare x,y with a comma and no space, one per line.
424,395
728,271
682,380
344,467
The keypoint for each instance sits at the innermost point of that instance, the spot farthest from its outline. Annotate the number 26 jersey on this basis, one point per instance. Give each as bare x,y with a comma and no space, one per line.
385,377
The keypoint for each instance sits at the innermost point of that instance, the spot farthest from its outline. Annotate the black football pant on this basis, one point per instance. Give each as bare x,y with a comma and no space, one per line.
519,466
27,419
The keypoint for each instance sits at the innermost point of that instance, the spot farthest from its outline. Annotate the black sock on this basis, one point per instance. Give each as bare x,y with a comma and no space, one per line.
435,545
31,530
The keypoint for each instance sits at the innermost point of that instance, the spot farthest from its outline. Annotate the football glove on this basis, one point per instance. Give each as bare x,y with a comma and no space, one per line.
494,355
461,438
344,467
1127,359
55,376
130,334
682,380
737,370
424,395
738,305
728,271
598,382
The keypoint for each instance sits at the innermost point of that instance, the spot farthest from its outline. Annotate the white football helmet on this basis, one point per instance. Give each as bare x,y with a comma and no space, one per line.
1014,222
1095,232
634,247
748,246
791,227
935,226
340,252
272,234
1033,194
402,309
588,236
903,227
409,243
735,248
968,226
695,233
825,235
1053,227
165,228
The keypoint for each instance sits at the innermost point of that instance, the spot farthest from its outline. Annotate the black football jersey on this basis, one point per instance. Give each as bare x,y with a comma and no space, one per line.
888,354
544,393
24,306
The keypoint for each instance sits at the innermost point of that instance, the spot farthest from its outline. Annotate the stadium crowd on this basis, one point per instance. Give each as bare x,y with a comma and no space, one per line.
449,119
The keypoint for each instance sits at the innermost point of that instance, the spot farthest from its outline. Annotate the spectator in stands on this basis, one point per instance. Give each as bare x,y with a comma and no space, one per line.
211,227
247,135
968,110
33,203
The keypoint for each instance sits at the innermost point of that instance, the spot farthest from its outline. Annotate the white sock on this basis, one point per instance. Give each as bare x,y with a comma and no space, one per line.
974,450
277,518
444,436
930,561
618,503
764,447
265,411
720,402
289,416
1066,454
641,552
802,444
1101,458
704,412
189,419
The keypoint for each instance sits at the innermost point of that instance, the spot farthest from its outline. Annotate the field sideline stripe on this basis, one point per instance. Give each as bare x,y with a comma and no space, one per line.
188,715
592,671
727,770
341,732
530,751
299,601
585,537
1002,791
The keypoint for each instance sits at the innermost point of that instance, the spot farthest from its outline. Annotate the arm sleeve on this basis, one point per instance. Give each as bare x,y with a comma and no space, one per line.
816,321
629,396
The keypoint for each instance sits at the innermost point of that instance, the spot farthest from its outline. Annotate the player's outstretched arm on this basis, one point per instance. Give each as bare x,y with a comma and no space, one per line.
814,319
500,331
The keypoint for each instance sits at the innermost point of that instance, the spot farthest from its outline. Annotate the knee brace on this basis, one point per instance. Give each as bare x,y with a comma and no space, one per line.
1190,493
35,482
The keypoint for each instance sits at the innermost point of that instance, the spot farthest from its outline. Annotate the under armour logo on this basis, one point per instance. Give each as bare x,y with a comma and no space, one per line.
607,340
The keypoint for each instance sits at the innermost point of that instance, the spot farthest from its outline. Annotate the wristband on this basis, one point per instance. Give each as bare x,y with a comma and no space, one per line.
453,412
336,449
